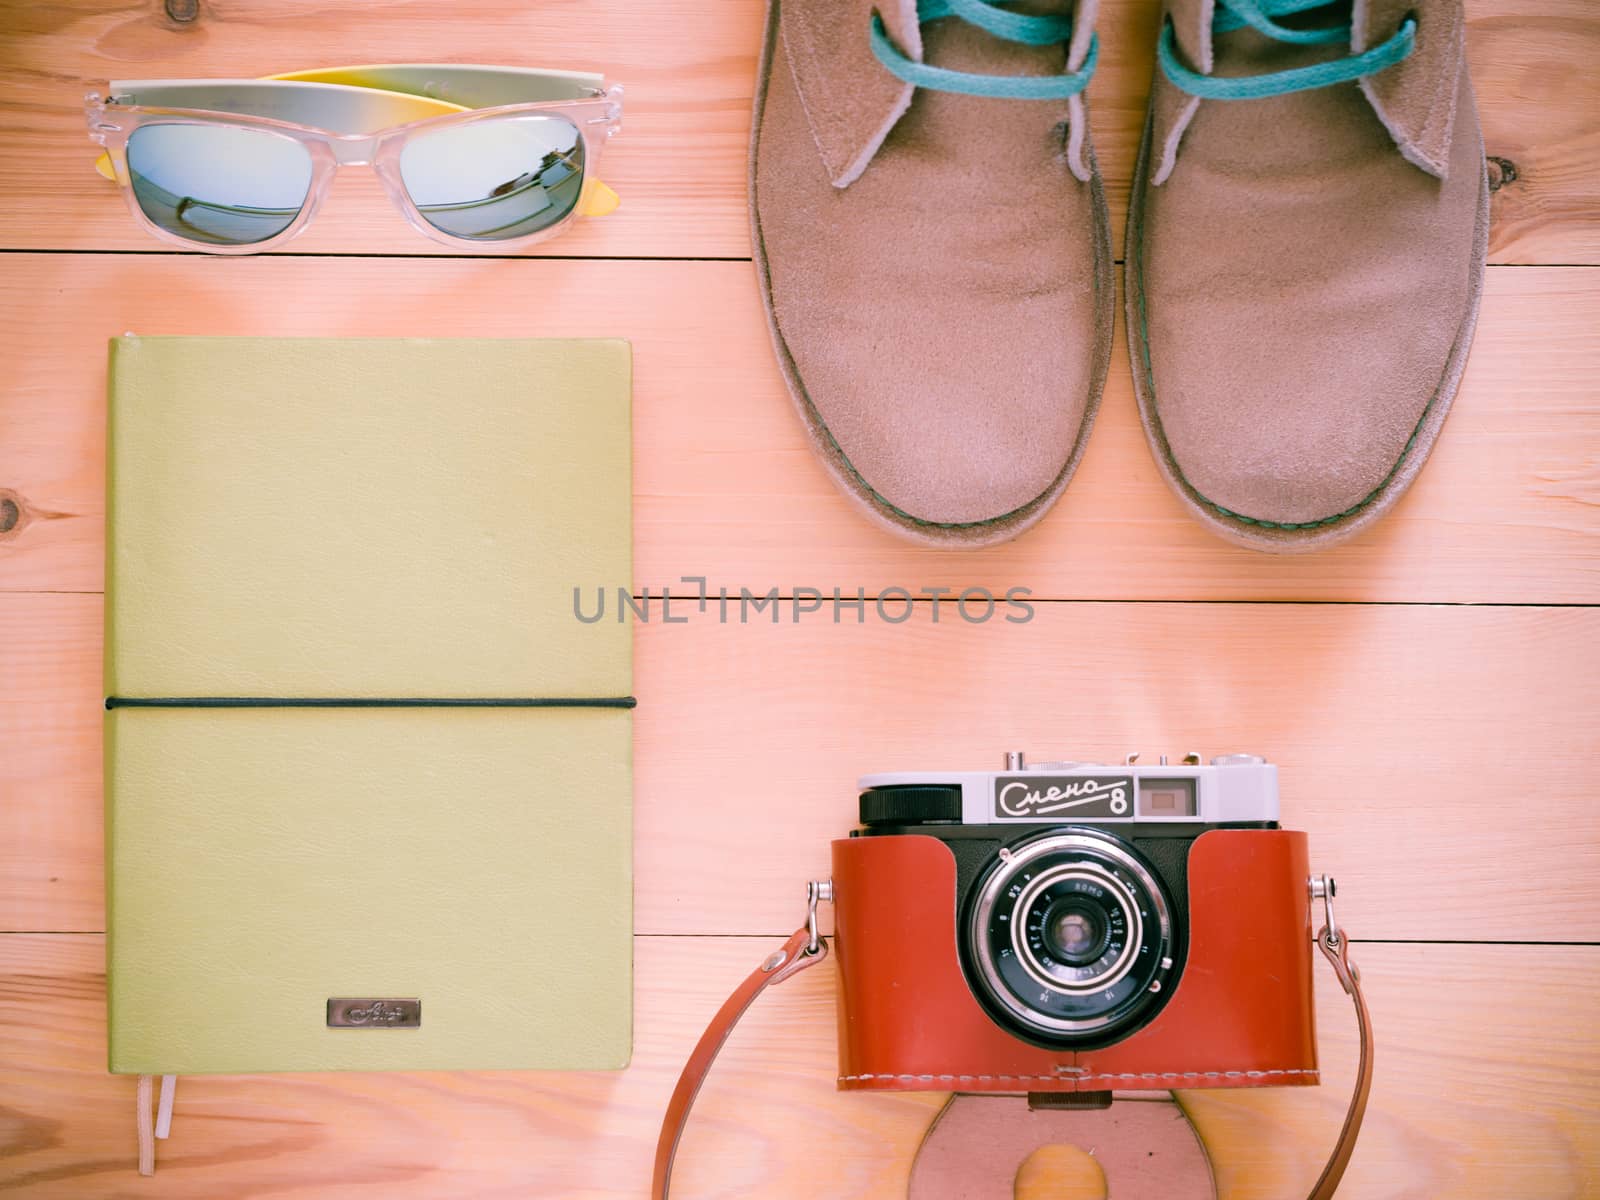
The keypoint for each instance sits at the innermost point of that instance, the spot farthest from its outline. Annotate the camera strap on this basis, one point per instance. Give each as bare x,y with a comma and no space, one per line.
805,948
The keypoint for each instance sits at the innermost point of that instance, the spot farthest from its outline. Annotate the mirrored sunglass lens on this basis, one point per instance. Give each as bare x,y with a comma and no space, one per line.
495,180
219,184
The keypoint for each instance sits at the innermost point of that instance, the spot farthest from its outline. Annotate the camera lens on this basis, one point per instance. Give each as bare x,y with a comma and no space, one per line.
1075,931
1065,937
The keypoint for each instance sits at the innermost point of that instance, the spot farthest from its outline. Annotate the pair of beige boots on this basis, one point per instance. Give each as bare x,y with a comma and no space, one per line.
1304,255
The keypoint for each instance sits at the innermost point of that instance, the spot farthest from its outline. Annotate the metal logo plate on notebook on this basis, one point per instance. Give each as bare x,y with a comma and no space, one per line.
367,1013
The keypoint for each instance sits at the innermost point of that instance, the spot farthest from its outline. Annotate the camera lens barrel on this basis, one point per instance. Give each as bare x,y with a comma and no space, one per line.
1069,938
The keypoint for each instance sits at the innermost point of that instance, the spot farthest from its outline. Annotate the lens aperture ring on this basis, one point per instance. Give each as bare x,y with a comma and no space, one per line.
1104,900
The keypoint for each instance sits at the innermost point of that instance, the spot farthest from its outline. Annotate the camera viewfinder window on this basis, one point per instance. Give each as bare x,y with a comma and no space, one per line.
1166,798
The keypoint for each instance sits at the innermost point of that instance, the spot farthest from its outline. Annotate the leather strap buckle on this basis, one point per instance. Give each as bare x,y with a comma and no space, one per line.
818,891
1323,888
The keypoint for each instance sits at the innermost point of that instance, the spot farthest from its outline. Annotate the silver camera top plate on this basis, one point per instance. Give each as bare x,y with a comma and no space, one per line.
1232,789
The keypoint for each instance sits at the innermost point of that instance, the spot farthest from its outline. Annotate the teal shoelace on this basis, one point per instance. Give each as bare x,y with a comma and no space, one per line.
1258,15
1009,26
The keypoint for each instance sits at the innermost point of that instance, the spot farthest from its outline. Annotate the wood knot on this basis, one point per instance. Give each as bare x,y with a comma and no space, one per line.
183,12
1501,171
16,514
11,513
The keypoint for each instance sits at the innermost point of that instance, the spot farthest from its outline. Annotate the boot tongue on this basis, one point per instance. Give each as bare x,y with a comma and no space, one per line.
1415,99
850,101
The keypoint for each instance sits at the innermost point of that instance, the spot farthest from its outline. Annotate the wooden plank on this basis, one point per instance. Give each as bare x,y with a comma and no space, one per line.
770,1122
726,485
689,70
1541,212
51,843
1414,743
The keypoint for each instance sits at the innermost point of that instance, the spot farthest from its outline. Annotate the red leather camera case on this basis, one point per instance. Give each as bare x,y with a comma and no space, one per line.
1241,1015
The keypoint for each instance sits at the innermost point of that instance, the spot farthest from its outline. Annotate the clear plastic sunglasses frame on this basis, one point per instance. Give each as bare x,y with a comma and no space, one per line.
596,114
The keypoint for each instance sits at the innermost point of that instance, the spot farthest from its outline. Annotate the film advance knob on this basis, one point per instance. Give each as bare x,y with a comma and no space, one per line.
910,804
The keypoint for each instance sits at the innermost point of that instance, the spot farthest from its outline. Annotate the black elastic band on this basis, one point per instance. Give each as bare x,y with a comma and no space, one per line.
369,702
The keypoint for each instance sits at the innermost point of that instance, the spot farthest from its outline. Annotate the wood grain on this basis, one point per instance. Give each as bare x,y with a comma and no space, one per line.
689,71
1465,1103
1508,508
1414,742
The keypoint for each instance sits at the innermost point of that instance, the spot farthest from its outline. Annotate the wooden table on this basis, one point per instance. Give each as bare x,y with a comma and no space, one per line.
1431,689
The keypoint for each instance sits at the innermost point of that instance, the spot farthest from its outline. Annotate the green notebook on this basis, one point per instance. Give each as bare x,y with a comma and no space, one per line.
368,779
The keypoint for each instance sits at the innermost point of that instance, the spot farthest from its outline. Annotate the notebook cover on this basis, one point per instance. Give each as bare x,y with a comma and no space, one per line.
314,519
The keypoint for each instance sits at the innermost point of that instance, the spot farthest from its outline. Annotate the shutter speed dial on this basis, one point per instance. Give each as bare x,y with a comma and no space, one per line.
910,804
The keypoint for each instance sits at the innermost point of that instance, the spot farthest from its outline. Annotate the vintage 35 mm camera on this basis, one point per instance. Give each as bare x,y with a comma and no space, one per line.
1074,927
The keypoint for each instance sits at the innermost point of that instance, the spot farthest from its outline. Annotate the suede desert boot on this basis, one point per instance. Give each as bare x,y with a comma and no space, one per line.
1305,257
931,238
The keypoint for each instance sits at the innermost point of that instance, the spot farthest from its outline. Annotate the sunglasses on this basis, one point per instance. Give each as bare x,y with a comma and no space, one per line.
473,156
